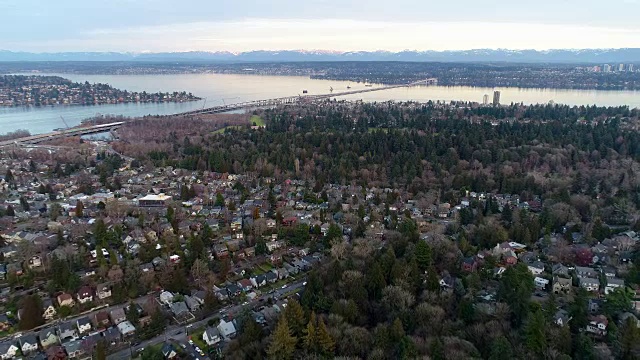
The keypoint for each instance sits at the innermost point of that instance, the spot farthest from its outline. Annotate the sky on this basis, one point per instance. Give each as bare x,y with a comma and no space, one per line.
330,25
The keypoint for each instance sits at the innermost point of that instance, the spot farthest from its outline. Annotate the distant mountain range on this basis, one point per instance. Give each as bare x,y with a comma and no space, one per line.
596,56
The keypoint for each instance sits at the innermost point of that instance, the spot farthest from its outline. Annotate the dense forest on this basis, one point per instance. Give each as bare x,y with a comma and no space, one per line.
417,146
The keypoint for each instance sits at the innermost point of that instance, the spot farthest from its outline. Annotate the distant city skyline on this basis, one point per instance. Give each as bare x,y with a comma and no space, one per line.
228,25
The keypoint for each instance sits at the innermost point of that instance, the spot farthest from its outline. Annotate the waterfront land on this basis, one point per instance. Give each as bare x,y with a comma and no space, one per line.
20,90
339,229
523,75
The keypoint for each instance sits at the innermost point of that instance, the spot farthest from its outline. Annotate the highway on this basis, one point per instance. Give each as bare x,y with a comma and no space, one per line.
180,333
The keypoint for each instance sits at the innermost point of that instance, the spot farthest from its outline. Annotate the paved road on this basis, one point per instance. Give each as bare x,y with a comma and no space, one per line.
140,301
179,333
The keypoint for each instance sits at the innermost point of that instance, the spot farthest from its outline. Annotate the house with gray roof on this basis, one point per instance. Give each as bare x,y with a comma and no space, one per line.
48,337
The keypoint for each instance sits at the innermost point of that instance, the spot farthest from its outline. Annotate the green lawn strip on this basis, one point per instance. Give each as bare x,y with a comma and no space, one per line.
196,336
257,120
221,131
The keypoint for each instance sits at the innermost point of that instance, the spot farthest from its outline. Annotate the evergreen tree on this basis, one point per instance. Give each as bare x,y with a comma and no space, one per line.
501,349
295,318
24,204
8,177
283,344
536,340
79,209
10,211
423,255
311,336
325,341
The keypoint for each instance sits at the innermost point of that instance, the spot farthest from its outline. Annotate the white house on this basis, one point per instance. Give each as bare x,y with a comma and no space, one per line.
126,328
227,329
536,268
28,344
8,350
613,284
166,297
84,325
540,283
211,336
590,284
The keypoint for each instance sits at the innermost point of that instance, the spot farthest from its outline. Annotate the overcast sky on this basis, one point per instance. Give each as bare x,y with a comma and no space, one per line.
242,25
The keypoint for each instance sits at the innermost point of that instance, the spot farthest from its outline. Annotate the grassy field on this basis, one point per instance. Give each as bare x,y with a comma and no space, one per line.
257,120
221,131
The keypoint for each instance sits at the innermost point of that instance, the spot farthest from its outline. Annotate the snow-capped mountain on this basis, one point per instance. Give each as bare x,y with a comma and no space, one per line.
628,55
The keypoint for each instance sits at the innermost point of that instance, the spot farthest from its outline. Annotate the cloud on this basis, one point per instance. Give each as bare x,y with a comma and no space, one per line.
340,34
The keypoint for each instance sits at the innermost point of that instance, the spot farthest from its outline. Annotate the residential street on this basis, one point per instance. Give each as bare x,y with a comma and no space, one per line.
180,333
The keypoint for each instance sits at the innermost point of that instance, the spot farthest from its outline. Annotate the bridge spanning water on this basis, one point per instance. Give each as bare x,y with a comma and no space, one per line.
86,130
296,99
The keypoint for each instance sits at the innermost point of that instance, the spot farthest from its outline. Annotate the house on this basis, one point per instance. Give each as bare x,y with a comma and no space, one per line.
536,268
65,299
8,350
103,291
561,318
192,303
101,319
227,329
84,325
271,277
221,251
74,349
48,310
609,272
211,336
126,328
258,281
245,285
3,271
470,264
48,337
233,290
28,344
168,351
55,353
35,262
85,295
586,272
271,224
590,284
289,221
68,331
540,283
117,316
613,284
166,297
180,311
598,325
561,285
560,270
4,322
112,336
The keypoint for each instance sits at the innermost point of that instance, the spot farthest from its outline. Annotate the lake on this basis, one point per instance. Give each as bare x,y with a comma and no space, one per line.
218,89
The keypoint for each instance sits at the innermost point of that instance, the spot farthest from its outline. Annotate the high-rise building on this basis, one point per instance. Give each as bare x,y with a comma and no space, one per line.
621,67
496,98
607,68
596,69
485,99
630,68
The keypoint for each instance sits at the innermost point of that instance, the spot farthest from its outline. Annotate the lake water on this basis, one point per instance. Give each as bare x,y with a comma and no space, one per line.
217,89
